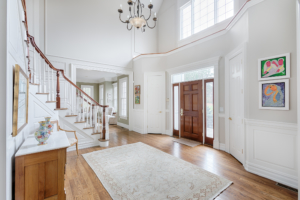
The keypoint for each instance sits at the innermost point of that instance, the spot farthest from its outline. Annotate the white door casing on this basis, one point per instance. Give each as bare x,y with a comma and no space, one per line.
155,102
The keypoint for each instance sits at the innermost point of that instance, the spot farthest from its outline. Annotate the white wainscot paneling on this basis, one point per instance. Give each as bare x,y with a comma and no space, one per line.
272,151
138,122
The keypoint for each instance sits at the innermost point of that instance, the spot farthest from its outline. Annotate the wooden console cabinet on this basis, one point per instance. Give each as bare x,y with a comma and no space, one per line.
40,170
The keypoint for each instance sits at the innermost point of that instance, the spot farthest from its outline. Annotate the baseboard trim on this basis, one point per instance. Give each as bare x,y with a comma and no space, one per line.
271,174
138,130
83,145
222,147
123,125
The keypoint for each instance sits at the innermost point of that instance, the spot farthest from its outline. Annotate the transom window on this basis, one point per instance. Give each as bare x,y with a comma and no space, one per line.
197,15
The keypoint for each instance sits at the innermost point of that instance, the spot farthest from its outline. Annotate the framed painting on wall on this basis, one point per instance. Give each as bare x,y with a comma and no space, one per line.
21,87
274,95
275,67
137,93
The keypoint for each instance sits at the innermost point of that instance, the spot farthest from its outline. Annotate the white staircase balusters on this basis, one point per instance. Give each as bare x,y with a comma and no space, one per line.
33,67
40,74
65,94
44,74
48,89
91,115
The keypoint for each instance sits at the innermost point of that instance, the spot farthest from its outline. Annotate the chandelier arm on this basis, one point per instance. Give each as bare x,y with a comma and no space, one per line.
128,27
149,15
122,20
150,26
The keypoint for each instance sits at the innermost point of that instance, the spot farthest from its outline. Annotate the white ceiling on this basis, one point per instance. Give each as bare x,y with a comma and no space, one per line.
93,76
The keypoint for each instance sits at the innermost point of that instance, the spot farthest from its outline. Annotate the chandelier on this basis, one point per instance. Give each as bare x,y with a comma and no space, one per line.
137,19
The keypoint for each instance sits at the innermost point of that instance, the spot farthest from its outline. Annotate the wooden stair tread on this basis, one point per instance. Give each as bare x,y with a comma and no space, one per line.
89,128
61,109
51,101
71,115
79,122
96,133
42,93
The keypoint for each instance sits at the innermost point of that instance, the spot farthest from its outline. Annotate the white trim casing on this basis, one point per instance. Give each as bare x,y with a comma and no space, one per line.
194,66
298,87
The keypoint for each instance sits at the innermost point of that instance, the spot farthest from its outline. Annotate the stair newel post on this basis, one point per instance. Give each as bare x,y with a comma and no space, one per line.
91,115
78,106
57,90
103,124
28,57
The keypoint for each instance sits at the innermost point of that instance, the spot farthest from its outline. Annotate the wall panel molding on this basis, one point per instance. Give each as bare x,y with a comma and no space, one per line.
271,150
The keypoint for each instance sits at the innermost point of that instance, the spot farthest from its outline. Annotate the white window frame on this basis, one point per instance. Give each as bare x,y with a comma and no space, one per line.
101,95
181,19
191,2
115,97
88,86
121,81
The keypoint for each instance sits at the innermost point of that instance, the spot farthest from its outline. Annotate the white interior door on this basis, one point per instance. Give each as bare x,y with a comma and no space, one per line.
155,103
236,120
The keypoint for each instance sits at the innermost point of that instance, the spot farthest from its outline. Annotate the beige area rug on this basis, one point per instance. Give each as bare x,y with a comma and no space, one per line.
187,142
141,172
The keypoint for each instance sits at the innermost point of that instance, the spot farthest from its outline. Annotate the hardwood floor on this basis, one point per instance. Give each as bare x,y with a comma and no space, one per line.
82,183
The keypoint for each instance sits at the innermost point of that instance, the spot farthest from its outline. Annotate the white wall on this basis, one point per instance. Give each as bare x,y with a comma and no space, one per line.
3,82
89,31
266,39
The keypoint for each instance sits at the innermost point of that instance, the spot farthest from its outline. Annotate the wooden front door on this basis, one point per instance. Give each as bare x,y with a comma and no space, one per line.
191,108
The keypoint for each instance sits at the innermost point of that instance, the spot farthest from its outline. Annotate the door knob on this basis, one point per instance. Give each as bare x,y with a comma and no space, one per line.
181,112
230,118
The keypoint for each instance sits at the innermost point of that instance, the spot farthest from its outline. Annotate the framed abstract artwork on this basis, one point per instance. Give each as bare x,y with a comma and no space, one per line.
274,95
275,67
137,94
21,88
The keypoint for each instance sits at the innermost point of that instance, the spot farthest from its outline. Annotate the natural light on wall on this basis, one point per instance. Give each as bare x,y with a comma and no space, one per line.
193,75
197,15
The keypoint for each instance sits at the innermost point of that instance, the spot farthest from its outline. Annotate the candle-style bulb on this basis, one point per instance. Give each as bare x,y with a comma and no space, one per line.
150,1
127,16
154,14
121,6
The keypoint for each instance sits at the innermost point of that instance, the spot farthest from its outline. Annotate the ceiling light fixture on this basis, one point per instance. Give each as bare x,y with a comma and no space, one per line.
137,19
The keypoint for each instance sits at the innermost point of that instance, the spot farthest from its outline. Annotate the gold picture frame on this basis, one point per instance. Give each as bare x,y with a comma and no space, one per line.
21,90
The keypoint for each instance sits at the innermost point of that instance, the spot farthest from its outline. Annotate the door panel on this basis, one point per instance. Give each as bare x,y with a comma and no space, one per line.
191,110
235,114
209,111
155,105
